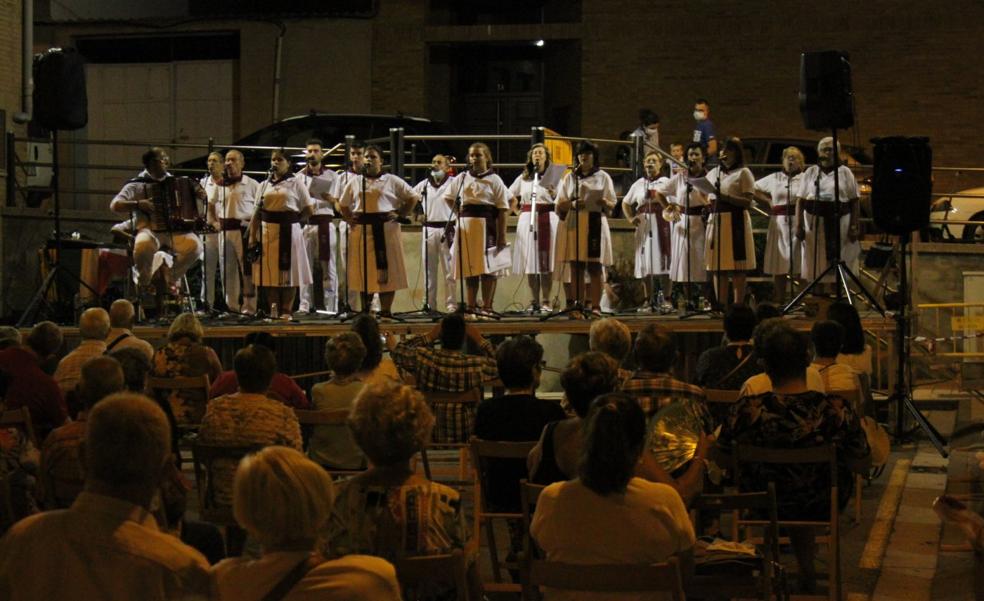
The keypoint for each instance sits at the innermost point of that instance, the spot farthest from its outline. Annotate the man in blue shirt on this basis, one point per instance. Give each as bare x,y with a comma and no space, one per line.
704,129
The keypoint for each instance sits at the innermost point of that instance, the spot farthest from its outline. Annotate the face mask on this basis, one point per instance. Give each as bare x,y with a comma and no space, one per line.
699,115
652,130
437,174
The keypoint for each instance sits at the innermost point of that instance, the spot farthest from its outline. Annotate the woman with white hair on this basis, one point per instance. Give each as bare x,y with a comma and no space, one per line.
185,355
283,500
779,190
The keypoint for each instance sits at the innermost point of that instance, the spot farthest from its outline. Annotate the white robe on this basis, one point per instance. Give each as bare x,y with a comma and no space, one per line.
814,253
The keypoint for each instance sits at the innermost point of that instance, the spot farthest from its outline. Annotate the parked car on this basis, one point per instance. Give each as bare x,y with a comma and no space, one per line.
966,205
331,129
768,151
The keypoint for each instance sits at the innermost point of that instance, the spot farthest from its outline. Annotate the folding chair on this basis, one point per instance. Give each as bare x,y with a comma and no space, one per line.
310,419
205,457
736,578
483,453
468,397
418,575
603,578
824,454
187,397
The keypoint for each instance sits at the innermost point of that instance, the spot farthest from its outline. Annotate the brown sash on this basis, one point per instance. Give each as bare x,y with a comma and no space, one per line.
489,214
230,225
324,235
663,226
737,228
444,225
286,220
782,210
376,221
544,239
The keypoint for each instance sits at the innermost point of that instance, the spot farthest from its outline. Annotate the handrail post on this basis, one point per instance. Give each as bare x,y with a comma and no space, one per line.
396,151
10,167
211,145
635,155
349,142
538,135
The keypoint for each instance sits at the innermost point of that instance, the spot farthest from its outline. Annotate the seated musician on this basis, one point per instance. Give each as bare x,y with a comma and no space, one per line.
156,222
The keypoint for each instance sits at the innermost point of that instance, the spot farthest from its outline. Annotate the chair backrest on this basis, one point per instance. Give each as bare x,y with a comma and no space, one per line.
529,494
739,502
334,417
204,457
473,395
21,419
186,395
604,578
420,575
483,451
724,397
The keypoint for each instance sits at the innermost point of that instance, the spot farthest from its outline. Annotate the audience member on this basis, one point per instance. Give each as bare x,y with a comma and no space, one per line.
854,351
389,510
121,315
652,385
827,337
448,369
247,417
727,367
61,458
136,368
607,515
762,383
185,355
283,500
375,368
333,446
612,337
46,341
27,385
282,387
9,336
766,310
93,327
19,459
107,545
794,416
557,453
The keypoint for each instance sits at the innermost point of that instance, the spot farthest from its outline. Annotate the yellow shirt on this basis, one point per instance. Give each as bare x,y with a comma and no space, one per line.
99,548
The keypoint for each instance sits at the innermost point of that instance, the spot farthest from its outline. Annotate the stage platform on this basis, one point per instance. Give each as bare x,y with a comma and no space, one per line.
300,348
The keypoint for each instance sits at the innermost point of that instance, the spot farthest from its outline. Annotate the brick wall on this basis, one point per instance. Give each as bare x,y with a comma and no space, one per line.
10,72
399,58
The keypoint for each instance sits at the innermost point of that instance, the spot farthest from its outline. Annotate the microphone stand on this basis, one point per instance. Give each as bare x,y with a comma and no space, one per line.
462,304
650,218
691,309
345,310
789,228
426,310
576,308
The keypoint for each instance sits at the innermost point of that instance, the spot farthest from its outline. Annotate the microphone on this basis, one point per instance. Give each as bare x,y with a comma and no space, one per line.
530,167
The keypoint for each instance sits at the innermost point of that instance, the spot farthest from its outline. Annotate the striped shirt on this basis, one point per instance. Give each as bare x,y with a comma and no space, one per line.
654,391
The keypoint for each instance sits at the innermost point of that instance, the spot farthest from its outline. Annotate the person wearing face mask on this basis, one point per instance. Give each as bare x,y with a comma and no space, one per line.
372,202
210,183
643,207
589,193
782,249
649,130
704,130
355,163
436,214
535,251
321,232
687,233
730,251
819,214
484,202
275,231
230,207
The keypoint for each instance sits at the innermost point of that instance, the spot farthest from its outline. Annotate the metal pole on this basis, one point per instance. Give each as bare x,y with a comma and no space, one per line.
396,151
635,155
538,135
10,166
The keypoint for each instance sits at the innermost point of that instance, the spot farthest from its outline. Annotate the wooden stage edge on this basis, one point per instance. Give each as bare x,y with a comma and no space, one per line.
321,327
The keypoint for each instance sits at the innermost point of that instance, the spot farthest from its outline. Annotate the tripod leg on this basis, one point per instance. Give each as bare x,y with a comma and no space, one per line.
796,299
842,282
38,299
864,291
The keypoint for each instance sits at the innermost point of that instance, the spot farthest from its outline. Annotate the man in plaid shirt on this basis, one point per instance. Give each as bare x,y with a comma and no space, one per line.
448,369
652,385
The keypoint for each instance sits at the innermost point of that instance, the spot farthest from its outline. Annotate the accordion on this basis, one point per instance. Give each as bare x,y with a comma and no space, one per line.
175,205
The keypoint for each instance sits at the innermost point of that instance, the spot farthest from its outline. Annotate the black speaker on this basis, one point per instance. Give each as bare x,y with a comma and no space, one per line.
826,99
902,184
60,101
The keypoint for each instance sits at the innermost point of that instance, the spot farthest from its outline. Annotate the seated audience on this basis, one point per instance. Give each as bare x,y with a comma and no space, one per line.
93,327
9,336
107,545
448,369
247,417
61,457
727,367
612,337
765,311
606,514
375,368
47,341
136,368
283,500
854,351
282,387
121,315
334,446
185,355
558,451
652,385
761,383
27,385
827,337
389,510
793,416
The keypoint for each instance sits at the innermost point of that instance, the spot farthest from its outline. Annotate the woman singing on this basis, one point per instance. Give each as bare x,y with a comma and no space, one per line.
482,201
372,203
535,250
730,248
275,226
779,191
586,197
643,206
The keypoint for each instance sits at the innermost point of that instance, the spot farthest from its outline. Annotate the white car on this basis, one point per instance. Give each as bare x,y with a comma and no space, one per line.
966,205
